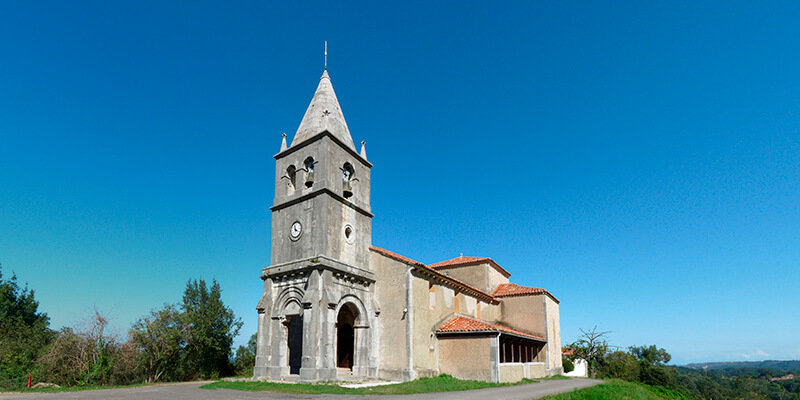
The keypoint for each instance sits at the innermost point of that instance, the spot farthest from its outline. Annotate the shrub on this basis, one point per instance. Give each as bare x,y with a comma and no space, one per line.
568,366
656,376
620,365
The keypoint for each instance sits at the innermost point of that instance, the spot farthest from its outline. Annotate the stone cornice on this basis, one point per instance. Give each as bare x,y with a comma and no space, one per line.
318,192
319,262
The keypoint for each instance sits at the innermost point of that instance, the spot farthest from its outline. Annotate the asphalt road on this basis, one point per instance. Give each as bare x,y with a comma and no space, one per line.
191,391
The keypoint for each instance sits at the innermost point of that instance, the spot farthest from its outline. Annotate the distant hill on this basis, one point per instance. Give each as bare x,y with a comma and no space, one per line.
771,364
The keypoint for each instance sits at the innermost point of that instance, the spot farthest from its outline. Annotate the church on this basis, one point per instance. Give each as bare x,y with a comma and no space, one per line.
336,307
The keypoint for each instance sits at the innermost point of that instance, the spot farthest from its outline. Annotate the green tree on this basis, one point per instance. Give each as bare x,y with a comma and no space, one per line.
621,365
211,329
160,338
245,357
24,331
650,354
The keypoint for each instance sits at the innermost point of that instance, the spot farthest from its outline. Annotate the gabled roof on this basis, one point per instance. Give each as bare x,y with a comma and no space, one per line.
462,261
438,277
324,114
513,290
461,324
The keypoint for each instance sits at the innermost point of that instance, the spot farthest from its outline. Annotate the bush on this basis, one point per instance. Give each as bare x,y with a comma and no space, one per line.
88,356
656,376
620,365
568,365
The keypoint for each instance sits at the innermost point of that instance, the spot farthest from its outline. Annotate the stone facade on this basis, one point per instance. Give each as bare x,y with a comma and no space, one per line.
334,305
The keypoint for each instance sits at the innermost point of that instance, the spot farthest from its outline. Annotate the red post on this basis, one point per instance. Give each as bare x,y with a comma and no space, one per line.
30,377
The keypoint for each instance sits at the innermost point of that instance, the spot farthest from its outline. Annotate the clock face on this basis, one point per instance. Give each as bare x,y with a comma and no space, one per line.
296,230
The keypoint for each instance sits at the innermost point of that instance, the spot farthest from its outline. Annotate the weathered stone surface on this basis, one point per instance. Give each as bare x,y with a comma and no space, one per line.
333,303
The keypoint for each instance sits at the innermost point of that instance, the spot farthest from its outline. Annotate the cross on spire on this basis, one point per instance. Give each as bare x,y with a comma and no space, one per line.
326,55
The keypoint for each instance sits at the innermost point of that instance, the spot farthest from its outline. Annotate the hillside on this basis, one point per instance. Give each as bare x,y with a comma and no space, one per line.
770,364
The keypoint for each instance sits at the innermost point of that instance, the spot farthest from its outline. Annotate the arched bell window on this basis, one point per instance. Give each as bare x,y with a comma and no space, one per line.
291,176
347,177
309,165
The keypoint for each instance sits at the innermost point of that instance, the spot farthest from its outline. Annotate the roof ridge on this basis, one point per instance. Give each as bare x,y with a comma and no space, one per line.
487,297
469,260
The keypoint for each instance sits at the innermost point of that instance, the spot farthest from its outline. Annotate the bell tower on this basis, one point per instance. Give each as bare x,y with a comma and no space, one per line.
322,189
319,267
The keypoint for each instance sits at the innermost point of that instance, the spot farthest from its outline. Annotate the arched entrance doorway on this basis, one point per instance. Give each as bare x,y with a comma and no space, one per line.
345,336
294,342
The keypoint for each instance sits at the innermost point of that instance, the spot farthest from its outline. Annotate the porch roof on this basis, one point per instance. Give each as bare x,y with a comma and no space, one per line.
462,324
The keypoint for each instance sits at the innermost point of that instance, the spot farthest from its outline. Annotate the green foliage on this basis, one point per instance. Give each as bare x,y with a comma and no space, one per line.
568,365
614,390
211,329
24,331
650,354
441,383
656,375
159,339
591,346
87,356
620,365
245,357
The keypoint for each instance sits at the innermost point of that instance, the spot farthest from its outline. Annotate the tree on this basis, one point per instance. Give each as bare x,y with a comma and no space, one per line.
591,346
245,357
211,327
160,338
650,354
652,365
24,331
621,365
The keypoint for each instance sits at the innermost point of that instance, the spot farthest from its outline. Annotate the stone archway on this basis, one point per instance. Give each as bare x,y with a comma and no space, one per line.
345,336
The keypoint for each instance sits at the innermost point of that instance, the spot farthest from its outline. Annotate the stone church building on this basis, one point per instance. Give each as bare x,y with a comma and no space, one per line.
334,305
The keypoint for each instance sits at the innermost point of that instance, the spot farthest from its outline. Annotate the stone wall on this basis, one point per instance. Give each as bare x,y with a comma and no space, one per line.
466,357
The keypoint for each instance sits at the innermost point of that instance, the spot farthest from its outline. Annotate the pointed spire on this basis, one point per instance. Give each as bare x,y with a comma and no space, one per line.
324,114
283,142
363,149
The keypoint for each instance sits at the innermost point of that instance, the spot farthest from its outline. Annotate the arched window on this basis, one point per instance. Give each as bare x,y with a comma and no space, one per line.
347,177
309,164
291,175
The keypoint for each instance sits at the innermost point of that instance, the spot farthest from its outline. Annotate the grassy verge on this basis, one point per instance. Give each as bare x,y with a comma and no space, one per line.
441,383
82,388
616,389
67,388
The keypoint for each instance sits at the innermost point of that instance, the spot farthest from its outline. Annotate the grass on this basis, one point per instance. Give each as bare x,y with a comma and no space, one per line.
617,389
441,383
67,388
82,388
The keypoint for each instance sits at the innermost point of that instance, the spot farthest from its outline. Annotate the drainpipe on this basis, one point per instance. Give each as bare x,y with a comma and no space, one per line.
409,373
547,336
496,366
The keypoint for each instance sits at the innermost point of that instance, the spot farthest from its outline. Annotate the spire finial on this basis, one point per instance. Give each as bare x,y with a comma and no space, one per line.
326,55
283,142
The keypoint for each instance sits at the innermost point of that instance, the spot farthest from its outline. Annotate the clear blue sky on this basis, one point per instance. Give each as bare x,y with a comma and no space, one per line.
638,159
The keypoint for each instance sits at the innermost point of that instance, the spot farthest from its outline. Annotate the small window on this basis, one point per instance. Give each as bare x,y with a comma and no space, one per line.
309,165
347,177
291,175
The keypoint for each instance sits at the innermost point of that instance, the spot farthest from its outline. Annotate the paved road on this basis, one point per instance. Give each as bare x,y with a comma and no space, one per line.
191,391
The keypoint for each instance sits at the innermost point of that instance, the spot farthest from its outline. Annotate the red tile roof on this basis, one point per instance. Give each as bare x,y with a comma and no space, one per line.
438,276
513,290
396,256
461,324
462,261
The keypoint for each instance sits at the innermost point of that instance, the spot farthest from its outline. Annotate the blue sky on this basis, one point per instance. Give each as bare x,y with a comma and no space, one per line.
638,159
